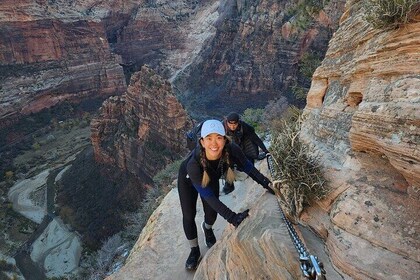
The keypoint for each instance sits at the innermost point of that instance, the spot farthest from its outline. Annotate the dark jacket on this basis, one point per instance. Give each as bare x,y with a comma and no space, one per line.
245,137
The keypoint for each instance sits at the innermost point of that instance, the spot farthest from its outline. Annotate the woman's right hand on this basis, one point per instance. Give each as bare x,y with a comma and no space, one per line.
238,218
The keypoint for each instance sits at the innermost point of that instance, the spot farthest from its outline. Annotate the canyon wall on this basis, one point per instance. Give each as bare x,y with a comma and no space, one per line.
142,130
48,56
257,54
363,119
239,53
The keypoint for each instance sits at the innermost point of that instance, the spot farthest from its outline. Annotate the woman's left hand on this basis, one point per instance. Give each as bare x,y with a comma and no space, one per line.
268,186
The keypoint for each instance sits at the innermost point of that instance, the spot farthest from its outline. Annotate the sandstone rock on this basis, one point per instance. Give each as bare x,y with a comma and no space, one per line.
362,118
142,130
260,248
47,62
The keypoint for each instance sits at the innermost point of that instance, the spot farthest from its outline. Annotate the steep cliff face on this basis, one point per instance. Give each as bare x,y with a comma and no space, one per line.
48,57
142,130
167,35
363,117
219,55
256,54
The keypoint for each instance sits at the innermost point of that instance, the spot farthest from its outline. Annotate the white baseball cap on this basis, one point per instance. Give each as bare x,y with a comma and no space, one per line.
212,126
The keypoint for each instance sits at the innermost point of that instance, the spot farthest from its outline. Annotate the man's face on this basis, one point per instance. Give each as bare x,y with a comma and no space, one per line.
232,125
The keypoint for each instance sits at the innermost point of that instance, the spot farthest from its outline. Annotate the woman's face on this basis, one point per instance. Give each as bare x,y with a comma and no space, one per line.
213,145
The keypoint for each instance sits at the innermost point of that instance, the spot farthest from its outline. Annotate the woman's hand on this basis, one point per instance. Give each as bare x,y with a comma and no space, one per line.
238,218
268,185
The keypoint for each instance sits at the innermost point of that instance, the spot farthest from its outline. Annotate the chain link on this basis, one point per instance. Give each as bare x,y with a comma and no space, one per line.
309,264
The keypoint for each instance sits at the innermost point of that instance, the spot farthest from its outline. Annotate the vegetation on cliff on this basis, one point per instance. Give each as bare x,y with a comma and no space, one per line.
391,13
300,175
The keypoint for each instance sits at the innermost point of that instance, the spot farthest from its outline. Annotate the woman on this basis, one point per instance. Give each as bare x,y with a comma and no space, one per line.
200,173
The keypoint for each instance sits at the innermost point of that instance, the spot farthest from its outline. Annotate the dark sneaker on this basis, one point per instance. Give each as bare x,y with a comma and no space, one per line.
193,259
228,188
209,237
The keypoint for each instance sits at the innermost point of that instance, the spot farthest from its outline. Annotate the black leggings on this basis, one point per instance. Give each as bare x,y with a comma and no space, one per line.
188,198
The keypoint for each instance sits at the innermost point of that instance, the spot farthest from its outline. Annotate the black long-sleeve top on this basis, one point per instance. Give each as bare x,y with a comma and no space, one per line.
216,169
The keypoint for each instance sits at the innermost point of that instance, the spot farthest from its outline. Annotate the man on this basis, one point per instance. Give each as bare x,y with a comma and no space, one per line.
244,136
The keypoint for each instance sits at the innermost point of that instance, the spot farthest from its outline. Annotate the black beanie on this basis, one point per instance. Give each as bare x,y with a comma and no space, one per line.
233,117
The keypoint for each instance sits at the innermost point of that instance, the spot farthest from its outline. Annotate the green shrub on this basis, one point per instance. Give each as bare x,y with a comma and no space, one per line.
36,146
167,175
301,13
301,177
391,13
254,117
308,64
300,93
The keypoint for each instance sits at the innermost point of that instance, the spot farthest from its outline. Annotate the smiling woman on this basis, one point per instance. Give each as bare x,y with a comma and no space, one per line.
212,139
199,173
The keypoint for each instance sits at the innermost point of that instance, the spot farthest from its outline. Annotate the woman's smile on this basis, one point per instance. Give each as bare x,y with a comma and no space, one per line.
213,145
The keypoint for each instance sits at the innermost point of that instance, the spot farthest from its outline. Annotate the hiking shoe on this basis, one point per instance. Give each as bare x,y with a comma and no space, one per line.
228,188
193,259
209,237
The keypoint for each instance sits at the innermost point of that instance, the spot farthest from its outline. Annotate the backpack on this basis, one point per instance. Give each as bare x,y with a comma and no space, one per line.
194,135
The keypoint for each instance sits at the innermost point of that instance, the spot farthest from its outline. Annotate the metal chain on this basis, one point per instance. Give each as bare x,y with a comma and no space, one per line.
309,264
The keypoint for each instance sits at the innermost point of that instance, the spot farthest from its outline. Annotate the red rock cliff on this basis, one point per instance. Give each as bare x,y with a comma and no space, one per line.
45,59
142,130
256,54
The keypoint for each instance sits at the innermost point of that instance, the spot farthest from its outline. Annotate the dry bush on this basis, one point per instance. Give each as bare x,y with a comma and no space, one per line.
391,13
301,178
98,264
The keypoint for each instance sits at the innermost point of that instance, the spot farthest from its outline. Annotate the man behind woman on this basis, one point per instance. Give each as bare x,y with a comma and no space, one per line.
244,136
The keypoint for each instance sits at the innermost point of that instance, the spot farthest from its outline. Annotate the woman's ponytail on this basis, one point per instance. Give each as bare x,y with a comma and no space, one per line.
206,178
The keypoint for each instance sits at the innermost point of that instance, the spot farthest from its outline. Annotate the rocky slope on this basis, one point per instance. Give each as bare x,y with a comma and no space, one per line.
142,130
362,118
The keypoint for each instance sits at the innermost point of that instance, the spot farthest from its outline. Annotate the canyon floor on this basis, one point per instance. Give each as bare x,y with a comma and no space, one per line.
54,149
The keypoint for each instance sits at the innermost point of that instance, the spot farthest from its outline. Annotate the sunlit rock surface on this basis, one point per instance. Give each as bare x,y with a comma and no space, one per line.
363,119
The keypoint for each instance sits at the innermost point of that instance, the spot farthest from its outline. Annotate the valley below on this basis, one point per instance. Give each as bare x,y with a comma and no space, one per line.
33,237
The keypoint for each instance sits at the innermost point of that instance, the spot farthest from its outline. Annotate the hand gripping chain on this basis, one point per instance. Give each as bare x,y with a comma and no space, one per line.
309,264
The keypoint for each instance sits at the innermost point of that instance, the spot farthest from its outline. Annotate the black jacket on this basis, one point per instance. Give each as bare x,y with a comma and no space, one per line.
245,137
194,170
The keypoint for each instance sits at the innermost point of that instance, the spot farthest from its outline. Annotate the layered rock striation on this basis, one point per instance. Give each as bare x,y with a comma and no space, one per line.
257,249
363,119
48,57
142,130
